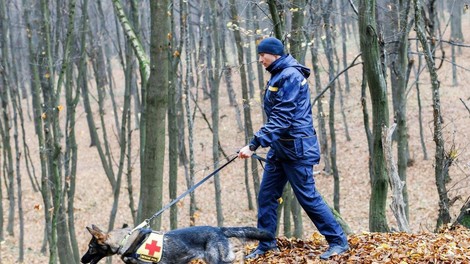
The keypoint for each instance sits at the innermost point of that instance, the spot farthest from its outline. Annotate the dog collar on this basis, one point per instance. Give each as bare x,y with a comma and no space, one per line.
124,240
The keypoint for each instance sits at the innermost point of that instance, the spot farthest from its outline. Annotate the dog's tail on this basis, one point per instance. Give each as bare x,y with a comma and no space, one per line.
247,232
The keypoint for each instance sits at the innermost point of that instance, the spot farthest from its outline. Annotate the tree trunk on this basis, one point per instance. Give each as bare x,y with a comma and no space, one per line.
315,21
276,19
5,91
34,46
187,97
378,91
440,168
398,204
397,28
296,50
328,46
420,108
245,94
345,39
214,80
173,99
456,35
227,72
52,182
151,183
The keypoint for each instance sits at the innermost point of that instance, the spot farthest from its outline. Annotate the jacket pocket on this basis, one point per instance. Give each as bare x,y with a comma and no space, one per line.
288,149
271,94
311,151
305,148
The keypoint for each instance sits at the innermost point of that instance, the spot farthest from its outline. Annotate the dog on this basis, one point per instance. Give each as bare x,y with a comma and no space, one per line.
179,246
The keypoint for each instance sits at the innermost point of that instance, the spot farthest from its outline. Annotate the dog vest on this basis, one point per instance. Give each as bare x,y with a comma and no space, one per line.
147,248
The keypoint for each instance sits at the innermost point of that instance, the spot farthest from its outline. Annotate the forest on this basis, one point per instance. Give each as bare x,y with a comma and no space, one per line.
112,110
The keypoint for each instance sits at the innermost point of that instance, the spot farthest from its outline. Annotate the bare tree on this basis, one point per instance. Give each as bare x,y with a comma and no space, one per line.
378,91
314,24
396,28
245,92
156,108
441,163
328,47
214,83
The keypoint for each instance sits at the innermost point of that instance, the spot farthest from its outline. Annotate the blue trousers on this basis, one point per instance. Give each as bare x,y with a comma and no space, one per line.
300,176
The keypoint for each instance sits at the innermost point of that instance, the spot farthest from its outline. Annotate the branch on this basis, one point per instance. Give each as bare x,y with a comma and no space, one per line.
336,77
353,7
468,109
464,215
144,61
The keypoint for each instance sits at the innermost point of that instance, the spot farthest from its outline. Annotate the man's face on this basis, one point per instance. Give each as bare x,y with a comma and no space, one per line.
266,59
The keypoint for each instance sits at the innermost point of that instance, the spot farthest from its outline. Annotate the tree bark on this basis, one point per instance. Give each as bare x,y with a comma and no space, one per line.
397,28
328,46
214,81
398,204
245,94
134,40
296,40
440,169
378,91
151,183
315,21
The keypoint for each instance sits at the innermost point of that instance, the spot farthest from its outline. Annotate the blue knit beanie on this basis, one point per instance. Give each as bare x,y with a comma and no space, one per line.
271,45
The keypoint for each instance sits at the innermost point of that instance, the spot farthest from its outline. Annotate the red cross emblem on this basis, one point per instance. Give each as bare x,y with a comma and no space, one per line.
152,247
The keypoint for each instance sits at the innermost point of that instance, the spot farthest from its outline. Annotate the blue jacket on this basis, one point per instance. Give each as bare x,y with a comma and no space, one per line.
289,130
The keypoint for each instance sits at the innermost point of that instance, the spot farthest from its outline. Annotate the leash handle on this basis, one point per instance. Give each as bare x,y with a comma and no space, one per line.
147,221
260,159
254,155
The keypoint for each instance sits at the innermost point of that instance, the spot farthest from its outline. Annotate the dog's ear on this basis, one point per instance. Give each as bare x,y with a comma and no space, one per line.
97,233
125,225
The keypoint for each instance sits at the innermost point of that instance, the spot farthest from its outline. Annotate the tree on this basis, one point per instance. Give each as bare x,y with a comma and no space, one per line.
214,84
442,164
328,47
314,23
151,183
378,91
397,28
245,92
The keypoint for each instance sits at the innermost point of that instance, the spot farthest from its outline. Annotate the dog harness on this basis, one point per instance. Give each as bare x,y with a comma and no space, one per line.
147,247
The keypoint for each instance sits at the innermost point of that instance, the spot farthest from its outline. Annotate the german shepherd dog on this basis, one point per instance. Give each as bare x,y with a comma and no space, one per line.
179,246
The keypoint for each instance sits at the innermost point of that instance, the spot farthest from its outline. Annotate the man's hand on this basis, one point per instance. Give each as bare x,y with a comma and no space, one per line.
245,152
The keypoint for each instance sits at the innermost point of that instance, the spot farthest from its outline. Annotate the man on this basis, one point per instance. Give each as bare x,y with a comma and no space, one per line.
292,139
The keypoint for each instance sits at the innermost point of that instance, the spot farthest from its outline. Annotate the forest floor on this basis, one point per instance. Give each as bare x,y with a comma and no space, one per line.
93,199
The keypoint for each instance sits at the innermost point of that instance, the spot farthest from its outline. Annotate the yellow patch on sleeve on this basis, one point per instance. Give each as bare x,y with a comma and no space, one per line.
152,248
273,89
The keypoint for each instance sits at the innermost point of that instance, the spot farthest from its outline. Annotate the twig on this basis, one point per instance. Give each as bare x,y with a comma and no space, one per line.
468,109
336,77
353,7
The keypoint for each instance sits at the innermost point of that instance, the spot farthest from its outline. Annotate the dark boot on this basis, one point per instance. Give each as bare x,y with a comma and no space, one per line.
262,250
334,250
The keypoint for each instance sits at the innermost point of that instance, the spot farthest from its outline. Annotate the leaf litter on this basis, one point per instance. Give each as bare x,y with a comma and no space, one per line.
450,245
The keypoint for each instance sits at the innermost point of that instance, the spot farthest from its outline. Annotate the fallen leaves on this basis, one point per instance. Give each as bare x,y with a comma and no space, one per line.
449,246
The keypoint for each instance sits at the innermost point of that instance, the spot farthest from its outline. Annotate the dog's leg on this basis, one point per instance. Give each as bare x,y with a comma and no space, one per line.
219,252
